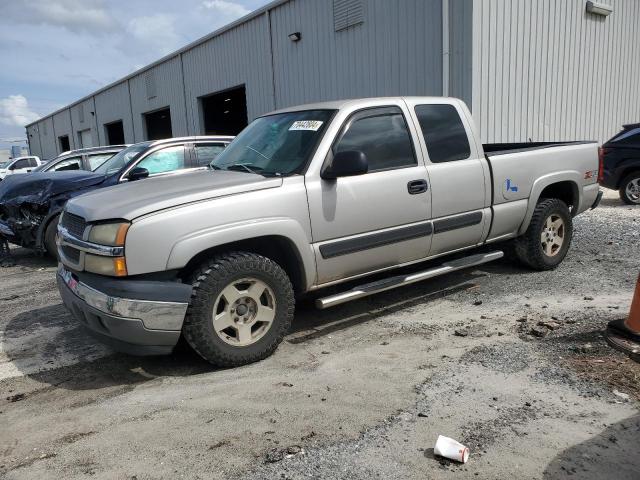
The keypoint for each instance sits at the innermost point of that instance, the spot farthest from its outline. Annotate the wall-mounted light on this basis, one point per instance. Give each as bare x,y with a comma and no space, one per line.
295,36
598,8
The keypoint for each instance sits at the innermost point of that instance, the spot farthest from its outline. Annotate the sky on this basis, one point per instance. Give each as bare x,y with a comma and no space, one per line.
53,52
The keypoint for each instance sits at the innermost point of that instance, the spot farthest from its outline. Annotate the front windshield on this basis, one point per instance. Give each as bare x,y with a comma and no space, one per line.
277,144
121,159
5,164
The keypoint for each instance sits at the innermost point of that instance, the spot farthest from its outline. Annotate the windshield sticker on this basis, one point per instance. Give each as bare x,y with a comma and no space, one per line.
312,125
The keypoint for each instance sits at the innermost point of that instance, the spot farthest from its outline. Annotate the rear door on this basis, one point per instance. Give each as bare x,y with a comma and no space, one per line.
458,173
376,220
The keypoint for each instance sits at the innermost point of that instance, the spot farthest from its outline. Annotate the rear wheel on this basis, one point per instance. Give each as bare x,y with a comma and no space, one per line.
50,237
630,189
546,242
241,307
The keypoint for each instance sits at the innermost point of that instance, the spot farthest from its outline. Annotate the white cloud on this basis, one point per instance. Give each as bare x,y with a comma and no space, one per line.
157,31
226,8
73,15
15,111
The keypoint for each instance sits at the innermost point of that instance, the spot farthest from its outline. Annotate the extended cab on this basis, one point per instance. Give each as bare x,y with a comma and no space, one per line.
302,199
14,166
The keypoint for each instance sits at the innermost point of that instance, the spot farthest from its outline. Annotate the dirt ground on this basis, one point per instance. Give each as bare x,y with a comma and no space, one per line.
360,391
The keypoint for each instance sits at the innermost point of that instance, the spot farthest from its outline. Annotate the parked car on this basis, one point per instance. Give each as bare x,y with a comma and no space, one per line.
17,165
306,198
621,164
30,205
83,159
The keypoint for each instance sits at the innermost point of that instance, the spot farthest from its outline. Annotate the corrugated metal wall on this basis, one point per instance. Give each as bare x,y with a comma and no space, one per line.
62,126
159,87
240,56
396,50
82,119
460,50
113,105
34,140
548,70
47,138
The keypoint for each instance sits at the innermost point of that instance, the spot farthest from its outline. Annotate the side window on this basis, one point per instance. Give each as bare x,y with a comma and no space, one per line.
24,163
206,152
68,164
382,135
443,132
96,160
165,160
33,162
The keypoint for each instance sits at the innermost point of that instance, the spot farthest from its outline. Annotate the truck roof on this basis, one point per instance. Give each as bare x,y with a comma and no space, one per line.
338,104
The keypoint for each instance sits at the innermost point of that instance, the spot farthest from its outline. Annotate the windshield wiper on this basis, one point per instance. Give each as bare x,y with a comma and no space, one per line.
246,167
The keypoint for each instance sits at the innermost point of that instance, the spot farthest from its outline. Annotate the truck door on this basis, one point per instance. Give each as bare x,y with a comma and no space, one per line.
378,219
459,176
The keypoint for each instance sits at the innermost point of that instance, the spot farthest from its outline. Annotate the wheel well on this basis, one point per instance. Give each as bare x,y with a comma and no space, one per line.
566,191
628,171
279,249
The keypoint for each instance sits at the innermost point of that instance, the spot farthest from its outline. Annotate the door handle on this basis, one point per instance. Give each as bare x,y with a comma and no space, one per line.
417,186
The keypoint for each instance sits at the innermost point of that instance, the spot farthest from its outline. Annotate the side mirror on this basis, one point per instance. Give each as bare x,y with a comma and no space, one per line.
137,173
346,164
12,167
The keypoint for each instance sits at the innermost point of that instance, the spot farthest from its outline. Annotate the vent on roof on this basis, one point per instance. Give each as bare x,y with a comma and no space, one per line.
150,83
80,110
347,13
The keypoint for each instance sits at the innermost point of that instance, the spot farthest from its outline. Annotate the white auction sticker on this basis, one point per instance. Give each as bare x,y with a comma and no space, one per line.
312,125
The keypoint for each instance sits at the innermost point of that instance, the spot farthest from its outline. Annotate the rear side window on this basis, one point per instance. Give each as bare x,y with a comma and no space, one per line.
206,152
443,132
33,162
68,164
383,136
96,161
627,137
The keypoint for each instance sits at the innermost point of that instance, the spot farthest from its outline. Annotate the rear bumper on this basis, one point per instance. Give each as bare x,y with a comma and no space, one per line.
135,326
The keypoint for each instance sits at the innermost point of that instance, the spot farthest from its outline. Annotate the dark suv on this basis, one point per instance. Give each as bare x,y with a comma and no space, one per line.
30,205
621,164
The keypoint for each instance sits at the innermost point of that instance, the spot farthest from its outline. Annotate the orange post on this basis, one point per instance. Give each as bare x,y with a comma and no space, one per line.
633,320
624,335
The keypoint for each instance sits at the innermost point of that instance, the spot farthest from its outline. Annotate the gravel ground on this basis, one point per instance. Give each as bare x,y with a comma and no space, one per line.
510,362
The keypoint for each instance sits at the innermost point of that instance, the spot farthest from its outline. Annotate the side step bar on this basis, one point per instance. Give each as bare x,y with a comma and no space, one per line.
402,280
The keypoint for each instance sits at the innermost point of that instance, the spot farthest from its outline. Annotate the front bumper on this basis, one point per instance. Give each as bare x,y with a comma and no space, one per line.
131,325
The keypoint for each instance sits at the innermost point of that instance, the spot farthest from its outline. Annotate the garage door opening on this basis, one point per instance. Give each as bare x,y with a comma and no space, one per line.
158,124
224,113
114,132
84,138
63,141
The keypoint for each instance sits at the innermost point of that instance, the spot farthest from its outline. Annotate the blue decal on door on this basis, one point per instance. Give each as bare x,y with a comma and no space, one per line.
511,187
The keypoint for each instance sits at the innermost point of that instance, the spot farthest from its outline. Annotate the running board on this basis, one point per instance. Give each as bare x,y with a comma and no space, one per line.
402,280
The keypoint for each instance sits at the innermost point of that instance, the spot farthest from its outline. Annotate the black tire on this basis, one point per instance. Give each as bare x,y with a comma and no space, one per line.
528,247
624,195
208,282
50,238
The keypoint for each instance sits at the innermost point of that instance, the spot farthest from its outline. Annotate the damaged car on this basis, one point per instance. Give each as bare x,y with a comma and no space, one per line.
30,205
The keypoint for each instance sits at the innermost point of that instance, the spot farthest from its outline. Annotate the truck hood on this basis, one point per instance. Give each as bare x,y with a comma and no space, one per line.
132,200
39,187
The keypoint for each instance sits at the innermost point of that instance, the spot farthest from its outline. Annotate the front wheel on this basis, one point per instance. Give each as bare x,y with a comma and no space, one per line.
50,238
630,189
546,242
241,308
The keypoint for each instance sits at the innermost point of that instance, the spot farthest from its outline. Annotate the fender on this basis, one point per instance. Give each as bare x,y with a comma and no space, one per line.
188,246
43,226
543,182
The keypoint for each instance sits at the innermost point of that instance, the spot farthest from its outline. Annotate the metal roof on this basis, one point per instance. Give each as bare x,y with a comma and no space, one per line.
195,43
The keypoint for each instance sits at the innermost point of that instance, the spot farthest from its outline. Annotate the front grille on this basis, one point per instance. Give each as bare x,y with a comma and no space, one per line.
74,224
71,254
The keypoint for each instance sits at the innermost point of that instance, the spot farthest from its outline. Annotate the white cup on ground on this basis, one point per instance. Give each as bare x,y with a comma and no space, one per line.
449,448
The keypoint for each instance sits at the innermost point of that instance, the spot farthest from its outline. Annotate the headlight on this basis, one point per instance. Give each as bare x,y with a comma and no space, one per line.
112,234
111,266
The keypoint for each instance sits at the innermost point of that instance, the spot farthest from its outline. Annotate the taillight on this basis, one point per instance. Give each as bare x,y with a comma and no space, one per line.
601,153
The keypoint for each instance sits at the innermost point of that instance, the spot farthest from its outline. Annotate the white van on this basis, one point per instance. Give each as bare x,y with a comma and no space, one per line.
18,165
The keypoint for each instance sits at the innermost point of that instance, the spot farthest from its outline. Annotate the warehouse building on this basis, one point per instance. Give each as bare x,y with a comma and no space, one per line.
529,69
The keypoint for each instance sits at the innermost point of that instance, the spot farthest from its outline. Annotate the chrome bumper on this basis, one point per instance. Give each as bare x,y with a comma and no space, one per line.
153,314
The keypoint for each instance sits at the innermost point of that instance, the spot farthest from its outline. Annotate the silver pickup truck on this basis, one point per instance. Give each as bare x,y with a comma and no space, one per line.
303,199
